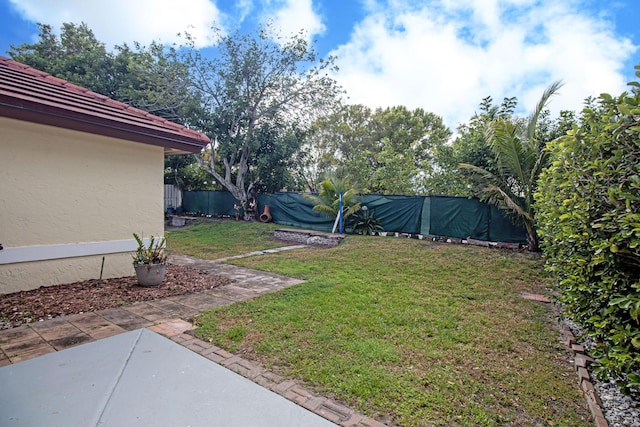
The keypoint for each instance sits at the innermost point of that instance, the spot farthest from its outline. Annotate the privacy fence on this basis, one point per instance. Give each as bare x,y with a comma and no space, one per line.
172,197
454,217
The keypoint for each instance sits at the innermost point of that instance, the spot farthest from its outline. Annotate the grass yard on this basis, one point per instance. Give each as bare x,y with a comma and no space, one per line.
413,333
216,238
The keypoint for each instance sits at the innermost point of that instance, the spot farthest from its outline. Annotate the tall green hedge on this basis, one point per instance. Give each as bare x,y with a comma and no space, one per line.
589,219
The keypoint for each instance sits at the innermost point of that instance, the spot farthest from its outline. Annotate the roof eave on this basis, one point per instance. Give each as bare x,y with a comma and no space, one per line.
173,143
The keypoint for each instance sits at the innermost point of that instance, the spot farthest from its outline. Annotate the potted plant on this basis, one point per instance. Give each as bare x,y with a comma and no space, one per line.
150,262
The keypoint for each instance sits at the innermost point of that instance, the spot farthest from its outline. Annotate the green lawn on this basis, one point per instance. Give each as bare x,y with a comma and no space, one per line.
411,332
220,238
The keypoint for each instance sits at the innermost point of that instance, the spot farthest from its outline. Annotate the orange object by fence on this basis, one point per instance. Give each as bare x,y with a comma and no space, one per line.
266,216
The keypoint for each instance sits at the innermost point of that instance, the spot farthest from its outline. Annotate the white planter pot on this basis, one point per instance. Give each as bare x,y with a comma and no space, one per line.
150,274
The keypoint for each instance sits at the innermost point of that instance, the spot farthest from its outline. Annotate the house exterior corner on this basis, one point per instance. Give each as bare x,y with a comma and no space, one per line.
70,198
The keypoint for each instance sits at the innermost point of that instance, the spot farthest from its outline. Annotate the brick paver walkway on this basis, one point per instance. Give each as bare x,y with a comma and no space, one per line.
167,317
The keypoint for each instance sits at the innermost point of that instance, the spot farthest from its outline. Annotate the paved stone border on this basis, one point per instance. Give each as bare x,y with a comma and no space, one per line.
247,283
581,363
263,252
177,330
308,237
454,240
163,316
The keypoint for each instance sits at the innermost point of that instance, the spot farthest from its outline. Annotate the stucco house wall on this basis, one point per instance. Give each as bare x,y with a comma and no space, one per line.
79,174
65,191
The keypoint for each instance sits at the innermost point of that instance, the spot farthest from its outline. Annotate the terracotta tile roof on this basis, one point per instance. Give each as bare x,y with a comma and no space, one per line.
32,95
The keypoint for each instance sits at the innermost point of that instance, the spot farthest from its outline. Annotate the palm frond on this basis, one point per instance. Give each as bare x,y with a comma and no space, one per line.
478,172
351,210
327,201
535,172
329,211
512,156
313,198
520,158
542,104
508,203
490,189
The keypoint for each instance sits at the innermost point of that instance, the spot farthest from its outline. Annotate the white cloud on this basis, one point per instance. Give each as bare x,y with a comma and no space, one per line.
244,7
446,55
440,55
117,21
292,16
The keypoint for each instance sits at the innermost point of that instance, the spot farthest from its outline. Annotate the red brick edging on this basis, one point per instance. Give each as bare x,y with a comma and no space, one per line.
289,389
334,411
581,362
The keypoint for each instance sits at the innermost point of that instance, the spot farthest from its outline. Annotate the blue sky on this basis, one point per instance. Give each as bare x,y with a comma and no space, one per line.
440,55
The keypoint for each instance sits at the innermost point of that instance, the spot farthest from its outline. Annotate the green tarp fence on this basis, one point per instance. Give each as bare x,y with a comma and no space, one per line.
396,213
457,217
501,228
461,217
215,203
294,210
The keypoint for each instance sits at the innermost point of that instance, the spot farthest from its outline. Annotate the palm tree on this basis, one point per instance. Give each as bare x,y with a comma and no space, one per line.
327,201
520,156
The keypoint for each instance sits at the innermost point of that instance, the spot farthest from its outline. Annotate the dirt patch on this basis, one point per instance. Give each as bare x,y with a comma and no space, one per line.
91,295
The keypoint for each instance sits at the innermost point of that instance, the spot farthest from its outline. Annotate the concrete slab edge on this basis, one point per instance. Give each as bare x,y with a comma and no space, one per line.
289,389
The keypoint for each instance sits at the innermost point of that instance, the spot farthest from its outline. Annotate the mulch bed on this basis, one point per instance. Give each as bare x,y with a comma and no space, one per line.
47,302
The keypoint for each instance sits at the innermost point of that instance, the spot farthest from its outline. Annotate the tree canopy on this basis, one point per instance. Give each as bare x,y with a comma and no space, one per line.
388,151
260,93
151,78
76,56
273,114
255,98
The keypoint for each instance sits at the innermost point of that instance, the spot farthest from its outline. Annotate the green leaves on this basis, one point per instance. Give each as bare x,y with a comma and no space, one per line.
386,151
366,223
150,78
153,253
588,205
261,91
327,202
519,158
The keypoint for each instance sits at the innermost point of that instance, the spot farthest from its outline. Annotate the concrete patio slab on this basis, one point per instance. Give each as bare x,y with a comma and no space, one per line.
37,387
138,378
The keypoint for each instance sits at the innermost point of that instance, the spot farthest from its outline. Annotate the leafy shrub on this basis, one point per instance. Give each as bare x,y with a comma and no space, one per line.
365,222
589,219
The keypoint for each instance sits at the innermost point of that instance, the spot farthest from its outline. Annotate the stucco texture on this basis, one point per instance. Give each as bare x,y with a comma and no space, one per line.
63,187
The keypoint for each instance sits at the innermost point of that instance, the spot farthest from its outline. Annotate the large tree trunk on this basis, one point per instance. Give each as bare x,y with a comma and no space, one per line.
237,190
